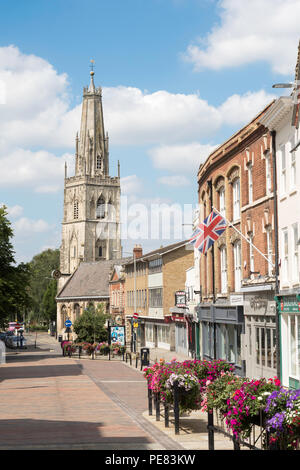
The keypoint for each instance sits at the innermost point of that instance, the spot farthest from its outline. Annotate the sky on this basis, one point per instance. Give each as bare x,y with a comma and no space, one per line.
179,77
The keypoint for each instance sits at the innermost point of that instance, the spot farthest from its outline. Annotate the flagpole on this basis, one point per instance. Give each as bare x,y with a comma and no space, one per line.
209,182
240,233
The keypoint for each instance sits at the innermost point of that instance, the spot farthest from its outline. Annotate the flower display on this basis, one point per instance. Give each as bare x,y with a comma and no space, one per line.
192,377
283,417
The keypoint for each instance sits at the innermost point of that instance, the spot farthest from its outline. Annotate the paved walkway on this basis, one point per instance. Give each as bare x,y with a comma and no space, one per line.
52,402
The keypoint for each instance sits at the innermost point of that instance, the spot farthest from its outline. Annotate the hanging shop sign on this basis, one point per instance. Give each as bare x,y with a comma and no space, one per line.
180,299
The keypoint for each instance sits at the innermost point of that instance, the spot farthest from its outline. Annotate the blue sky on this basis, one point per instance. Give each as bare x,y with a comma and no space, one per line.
178,78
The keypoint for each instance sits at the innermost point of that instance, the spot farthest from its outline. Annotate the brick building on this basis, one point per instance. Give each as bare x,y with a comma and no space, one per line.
117,295
151,281
237,309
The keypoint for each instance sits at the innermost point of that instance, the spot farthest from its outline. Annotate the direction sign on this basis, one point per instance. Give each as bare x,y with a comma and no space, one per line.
68,323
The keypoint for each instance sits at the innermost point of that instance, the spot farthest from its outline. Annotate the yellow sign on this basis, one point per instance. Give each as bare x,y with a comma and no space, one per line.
135,325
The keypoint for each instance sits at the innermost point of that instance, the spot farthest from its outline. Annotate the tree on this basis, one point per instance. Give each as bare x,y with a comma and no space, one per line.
90,325
48,302
41,267
14,280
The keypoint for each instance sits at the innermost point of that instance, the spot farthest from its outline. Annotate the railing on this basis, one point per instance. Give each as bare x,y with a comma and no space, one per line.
259,438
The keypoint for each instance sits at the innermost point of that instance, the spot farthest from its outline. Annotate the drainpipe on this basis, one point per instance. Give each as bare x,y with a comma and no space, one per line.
278,335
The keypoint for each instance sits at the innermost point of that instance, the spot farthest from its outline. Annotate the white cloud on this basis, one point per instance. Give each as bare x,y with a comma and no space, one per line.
26,226
250,31
183,158
174,180
131,184
37,119
41,170
134,117
238,109
13,211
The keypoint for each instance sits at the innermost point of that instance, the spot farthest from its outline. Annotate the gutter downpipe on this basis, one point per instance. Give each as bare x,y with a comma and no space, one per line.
278,338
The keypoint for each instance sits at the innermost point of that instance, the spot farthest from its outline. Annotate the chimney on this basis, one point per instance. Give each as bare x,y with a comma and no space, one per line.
137,251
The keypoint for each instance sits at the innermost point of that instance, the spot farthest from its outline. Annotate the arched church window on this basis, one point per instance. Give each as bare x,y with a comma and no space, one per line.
76,210
100,211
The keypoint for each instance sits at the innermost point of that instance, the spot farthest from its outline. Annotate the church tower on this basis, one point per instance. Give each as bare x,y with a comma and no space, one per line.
91,220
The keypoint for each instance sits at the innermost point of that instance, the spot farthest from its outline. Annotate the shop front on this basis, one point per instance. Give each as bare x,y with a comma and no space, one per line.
289,313
222,327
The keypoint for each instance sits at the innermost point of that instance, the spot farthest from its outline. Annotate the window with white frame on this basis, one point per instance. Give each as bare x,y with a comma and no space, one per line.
251,253
250,184
293,166
295,273
269,251
268,174
236,199
283,170
223,269
285,254
222,201
237,265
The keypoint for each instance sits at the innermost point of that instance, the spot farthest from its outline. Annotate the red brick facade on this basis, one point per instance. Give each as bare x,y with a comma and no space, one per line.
229,170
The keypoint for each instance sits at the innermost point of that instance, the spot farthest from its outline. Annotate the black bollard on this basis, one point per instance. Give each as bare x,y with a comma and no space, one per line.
150,396
210,427
157,406
166,415
176,406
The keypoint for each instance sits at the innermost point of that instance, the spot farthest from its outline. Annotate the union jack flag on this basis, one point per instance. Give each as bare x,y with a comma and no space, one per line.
208,232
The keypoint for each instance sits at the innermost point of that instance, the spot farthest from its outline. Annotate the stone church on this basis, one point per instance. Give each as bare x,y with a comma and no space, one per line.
91,242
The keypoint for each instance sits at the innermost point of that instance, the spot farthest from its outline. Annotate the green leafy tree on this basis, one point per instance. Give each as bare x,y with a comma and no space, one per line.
41,267
14,280
90,326
49,302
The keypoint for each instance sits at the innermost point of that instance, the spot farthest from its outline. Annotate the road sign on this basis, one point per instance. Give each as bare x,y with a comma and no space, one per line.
135,316
68,323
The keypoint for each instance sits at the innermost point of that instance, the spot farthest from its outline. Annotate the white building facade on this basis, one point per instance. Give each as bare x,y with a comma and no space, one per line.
280,120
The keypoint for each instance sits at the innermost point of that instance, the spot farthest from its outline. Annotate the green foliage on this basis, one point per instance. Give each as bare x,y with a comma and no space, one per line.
49,303
90,327
14,280
42,287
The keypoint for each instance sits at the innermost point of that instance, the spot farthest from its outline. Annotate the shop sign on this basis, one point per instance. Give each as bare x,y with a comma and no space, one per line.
288,305
117,334
180,299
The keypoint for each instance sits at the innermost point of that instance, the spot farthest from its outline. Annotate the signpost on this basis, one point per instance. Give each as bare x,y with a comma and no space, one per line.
68,325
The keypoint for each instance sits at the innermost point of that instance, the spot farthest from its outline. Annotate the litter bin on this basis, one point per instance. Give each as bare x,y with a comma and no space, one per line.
60,338
145,357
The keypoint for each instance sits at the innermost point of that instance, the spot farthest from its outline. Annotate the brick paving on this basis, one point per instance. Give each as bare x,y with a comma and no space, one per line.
52,402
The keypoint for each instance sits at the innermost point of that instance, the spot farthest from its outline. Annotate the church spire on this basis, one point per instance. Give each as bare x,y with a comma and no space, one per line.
93,149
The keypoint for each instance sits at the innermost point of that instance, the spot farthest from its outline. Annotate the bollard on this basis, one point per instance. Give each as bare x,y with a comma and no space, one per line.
136,360
210,427
157,406
150,401
236,443
79,352
176,406
166,415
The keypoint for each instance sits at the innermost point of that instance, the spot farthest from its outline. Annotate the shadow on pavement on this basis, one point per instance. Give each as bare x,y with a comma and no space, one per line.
42,371
45,434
